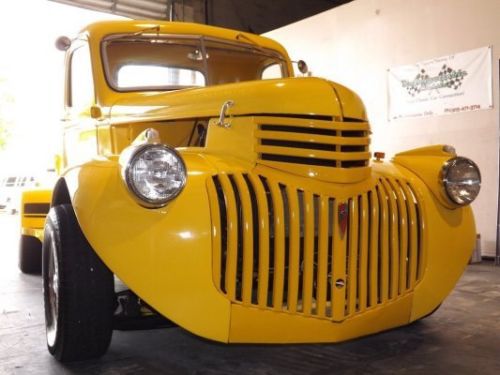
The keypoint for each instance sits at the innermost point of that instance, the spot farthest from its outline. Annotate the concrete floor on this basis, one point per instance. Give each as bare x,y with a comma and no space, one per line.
462,337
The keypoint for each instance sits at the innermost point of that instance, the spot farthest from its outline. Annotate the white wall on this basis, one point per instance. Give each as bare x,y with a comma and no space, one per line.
356,43
34,71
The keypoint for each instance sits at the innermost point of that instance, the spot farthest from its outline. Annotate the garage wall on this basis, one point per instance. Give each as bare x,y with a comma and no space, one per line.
356,43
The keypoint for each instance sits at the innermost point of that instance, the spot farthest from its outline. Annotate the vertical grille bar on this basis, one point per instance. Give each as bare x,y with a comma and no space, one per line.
263,272
374,256
363,254
384,243
216,235
394,236
307,285
420,236
232,236
322,257
353,255
413,234
338,253
302,225
329,267
293,260
403,236
279,246
247,218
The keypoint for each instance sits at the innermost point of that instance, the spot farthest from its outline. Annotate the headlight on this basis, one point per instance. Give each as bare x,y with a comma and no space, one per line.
154,173
461,180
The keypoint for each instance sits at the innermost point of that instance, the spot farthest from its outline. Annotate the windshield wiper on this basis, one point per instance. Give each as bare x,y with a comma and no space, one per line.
255,45
143,31
155,29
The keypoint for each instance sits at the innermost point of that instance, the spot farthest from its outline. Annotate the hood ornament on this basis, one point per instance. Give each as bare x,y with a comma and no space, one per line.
223,113
149,136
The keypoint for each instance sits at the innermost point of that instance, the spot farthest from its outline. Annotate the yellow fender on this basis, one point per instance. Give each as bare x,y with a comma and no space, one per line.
163,255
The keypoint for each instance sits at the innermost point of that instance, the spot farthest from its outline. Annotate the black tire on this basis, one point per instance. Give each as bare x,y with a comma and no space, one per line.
419,320
432,312
78,291
30,255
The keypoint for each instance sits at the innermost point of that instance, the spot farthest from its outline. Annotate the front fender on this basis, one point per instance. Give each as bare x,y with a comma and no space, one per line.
161,254
427,163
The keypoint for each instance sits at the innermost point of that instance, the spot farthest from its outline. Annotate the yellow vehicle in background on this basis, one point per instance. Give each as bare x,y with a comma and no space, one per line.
235,200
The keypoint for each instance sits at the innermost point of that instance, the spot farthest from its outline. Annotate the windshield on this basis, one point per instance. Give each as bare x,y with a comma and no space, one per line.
137,63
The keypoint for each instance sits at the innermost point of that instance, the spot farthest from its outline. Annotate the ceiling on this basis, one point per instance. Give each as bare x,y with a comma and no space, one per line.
256,16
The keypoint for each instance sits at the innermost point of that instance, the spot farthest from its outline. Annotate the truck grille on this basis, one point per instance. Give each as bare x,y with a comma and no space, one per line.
324,148
286,249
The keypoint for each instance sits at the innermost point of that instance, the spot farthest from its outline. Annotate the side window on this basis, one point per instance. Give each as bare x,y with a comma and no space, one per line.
81,87
272,71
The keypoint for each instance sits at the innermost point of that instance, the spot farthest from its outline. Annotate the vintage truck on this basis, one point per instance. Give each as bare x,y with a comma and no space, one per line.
238,201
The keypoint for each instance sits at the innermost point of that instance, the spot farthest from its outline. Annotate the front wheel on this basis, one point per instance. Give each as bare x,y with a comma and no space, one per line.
78,291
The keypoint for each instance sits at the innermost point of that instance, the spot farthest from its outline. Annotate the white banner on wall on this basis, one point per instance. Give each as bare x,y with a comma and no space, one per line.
445,85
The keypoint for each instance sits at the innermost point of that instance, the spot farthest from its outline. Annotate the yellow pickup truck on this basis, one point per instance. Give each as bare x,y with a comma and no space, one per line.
234,199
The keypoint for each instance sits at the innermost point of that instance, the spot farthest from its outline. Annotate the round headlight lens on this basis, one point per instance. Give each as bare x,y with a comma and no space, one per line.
155,174
462,180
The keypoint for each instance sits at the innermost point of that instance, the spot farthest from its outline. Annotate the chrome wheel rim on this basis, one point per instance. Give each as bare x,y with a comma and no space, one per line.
52,292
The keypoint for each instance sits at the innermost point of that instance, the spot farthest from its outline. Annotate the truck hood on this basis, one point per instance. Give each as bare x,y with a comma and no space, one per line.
291,96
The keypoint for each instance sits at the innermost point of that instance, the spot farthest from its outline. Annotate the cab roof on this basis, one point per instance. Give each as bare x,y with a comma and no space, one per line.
99,30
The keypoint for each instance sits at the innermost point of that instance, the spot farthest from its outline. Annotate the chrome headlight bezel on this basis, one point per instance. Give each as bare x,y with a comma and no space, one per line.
447,169
129,158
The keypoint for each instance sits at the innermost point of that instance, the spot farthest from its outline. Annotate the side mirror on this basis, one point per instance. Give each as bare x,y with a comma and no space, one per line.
63,43
302,66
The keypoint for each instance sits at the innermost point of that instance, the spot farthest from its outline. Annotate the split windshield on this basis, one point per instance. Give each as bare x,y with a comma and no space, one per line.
138,63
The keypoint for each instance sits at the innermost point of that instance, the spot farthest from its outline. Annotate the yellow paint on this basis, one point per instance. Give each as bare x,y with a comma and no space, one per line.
178,259
427,163
33,232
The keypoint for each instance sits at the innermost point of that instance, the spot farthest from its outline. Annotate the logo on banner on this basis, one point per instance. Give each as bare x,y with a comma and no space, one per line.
447,78
443,85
